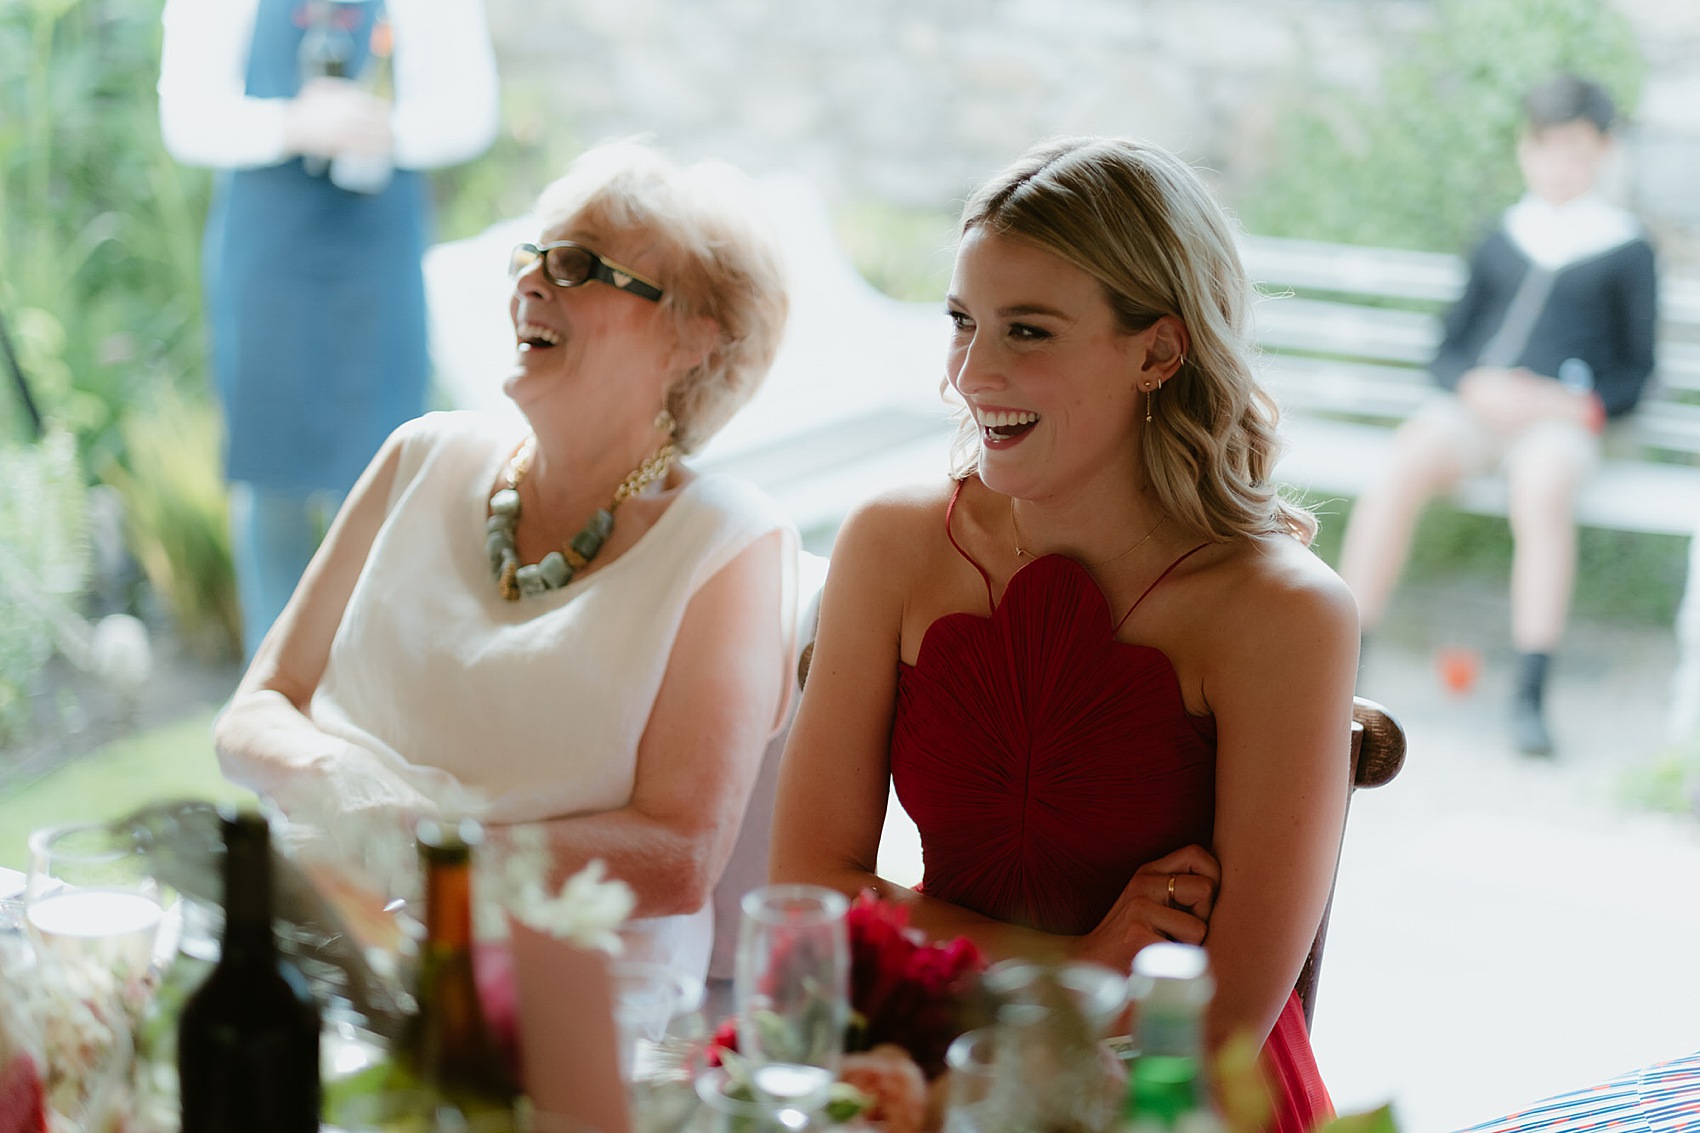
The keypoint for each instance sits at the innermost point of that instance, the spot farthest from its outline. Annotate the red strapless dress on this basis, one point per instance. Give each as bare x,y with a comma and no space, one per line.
1043,762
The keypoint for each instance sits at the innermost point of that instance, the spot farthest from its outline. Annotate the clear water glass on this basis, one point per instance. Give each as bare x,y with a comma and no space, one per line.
93,908
972,1063
1041,1064
792,992
1024,987
93,914
658,1017
727,1109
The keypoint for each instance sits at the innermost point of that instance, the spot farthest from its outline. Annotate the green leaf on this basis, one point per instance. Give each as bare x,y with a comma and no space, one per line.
1426,158
1378,1120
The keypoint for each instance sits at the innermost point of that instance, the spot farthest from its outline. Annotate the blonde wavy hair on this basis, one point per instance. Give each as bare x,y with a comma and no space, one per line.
718,256
1143,224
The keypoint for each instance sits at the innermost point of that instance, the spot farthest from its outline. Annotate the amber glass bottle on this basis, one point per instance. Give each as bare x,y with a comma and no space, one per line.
447,1052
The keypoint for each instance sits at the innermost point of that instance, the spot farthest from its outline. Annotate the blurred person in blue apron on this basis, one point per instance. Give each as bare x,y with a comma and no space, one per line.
320,116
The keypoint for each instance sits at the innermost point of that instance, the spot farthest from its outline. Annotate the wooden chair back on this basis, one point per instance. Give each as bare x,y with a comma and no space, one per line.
1378,752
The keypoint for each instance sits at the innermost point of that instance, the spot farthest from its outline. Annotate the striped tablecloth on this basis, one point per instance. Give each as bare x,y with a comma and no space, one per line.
1662,1098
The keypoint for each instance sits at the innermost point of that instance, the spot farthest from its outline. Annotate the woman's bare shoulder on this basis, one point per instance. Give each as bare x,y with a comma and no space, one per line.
896,517
1281,579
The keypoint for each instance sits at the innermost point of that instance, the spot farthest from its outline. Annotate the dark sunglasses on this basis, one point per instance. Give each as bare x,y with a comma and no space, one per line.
566,264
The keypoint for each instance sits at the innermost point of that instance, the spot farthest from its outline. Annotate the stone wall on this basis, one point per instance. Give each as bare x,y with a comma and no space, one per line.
1665,144
913,102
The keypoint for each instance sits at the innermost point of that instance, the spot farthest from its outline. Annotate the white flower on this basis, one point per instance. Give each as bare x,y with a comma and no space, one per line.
587,912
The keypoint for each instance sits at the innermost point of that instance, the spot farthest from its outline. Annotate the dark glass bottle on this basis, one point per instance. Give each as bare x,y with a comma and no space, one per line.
448,1052
326,45
248,1039
371,172
326,51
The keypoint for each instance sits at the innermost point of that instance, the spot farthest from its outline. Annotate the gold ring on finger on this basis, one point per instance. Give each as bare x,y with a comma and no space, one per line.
1172,877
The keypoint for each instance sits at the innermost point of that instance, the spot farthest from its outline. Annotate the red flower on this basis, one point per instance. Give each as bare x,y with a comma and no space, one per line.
904,990
725,1038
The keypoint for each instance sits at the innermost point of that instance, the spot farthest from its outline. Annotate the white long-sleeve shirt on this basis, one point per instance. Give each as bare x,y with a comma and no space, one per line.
447,105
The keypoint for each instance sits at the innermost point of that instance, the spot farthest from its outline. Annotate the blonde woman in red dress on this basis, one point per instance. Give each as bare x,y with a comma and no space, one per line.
1110,681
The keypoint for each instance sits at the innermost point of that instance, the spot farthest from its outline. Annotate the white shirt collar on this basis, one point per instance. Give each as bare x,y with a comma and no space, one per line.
1554,236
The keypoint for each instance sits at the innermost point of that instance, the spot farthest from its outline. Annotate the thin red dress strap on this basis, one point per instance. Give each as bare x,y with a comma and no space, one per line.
949,511
1155,584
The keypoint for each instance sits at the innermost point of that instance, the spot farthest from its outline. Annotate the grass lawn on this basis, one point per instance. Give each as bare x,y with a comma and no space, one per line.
172,761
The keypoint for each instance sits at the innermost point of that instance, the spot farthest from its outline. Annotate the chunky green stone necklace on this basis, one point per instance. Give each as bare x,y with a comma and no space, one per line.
557,568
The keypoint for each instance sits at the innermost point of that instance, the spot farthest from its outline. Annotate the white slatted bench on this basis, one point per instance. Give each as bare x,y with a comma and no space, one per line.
1347,334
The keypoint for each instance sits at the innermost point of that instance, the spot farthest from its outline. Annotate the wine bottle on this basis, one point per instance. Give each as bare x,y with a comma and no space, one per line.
447,1052
371,172
248,1039
324,52
1171,987
157,1101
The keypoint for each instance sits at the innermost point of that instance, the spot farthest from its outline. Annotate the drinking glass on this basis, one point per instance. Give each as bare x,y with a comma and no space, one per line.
727,1110
421,1111
11,901
93,913
1025,989
662,1035
93,908
972,1062
1040,1065
792,992
657,1015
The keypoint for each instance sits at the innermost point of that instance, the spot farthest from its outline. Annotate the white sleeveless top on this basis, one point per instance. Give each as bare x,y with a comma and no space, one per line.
527,710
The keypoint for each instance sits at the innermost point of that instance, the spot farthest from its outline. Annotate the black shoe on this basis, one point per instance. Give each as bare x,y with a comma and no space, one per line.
1529,729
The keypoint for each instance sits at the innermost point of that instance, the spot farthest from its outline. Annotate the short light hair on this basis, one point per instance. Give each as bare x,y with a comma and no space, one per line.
718,259
1143,224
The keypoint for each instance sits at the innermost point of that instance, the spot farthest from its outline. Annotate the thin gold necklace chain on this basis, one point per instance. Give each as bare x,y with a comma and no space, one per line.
652,469
1023,553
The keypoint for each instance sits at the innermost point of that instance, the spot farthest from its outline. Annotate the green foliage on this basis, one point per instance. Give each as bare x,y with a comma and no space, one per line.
99,228
175,503
175,761
100,234
533,148
1427,159
44,559
905,252
1627,576
1670,784
1378,1120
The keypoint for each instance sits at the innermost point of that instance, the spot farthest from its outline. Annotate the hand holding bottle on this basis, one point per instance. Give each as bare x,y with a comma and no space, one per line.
335,116
366,171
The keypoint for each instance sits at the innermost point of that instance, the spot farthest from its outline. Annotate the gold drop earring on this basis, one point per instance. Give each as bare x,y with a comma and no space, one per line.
1151,392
